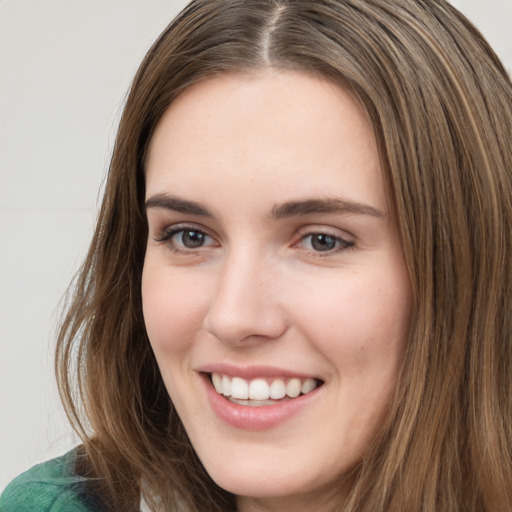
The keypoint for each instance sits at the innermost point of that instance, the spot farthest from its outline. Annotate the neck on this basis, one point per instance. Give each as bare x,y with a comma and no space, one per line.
321,501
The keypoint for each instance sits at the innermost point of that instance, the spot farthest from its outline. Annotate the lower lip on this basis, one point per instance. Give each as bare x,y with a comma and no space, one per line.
255,417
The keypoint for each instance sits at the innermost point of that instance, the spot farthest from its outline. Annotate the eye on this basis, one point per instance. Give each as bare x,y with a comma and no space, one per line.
325,242
185,239
189,238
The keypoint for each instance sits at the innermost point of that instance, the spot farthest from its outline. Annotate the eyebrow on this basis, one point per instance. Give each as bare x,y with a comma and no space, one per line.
279,211
177,204
324,206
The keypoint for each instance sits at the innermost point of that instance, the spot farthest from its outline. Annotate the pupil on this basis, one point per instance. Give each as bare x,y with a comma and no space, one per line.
323,242
192,239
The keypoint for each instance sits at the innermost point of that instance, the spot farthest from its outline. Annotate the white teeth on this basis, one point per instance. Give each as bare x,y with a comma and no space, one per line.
277,389
217,383
293,388
307,386
239,388
260,390
226,386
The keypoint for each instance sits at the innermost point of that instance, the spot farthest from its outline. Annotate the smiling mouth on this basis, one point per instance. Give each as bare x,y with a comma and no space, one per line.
261,391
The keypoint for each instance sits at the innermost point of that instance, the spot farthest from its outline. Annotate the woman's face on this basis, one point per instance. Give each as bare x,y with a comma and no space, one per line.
275,294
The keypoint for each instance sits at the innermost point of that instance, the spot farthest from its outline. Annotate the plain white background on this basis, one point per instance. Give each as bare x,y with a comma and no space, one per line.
65,67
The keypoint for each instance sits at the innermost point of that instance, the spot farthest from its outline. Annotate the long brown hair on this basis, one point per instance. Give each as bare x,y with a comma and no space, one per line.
440,104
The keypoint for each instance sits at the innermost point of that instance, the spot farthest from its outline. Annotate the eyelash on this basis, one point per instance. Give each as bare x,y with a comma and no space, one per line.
166,236
341,243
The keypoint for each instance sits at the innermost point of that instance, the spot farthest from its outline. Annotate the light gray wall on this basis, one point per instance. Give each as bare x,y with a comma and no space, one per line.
65,68
494,19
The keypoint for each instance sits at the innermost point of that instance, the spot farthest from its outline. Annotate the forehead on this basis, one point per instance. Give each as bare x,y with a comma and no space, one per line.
244,102
277,130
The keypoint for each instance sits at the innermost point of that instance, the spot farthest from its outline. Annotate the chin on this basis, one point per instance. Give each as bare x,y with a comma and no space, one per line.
267,477
261,484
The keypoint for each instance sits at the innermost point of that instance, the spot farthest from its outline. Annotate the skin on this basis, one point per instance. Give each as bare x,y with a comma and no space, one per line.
258,291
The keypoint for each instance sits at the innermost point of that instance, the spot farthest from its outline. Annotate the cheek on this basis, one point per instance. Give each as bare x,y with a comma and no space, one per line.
359,302
173,309
362,325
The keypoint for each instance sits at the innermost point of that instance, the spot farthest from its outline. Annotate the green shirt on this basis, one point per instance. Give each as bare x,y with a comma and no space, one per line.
48,487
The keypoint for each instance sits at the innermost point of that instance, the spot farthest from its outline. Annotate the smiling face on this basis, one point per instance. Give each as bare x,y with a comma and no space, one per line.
275,294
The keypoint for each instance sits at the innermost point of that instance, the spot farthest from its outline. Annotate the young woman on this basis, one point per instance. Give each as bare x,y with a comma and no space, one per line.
298,294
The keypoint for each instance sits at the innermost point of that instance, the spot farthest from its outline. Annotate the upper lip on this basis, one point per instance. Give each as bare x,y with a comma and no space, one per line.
253,371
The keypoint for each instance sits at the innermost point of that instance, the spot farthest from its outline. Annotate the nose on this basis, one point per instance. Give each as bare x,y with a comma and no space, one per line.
245,306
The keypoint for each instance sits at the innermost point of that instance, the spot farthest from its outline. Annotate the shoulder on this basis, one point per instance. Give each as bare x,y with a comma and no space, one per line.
48,487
